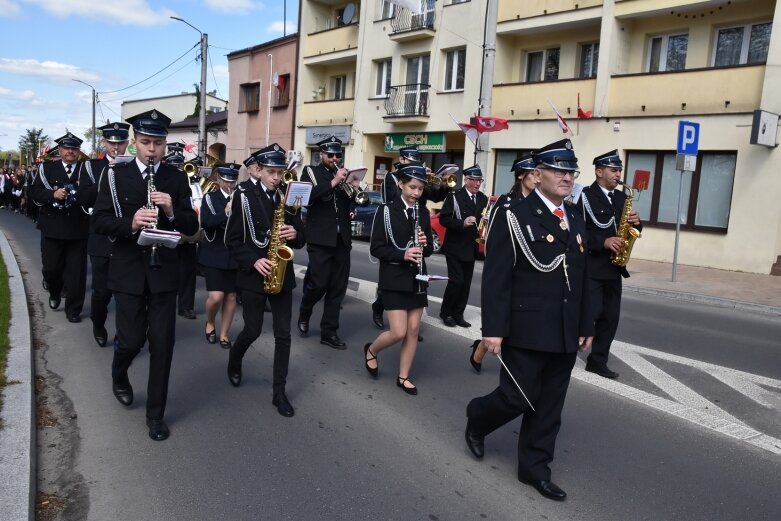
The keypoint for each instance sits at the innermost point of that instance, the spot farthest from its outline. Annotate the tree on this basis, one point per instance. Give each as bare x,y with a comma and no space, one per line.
197,111
31,142
99,148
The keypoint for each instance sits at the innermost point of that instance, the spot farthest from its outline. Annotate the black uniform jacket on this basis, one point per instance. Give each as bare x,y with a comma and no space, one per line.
529,308
129,270
600,265
97,244
390,190
396,274
459,241
212,251
252,214
61,223
328,210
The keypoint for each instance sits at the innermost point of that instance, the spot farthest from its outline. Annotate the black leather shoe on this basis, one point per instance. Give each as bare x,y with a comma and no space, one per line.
601,370
54,302
282,404
73,318
188,314
420,338
448,320
333,341
234,371
549,489
461,322
211,336
475,364
413,391
100,334
123,392
475,442
225,344
303,325
158,430
374,371
45,285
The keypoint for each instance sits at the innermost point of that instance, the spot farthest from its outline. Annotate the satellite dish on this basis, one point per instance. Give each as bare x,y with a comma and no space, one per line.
348,13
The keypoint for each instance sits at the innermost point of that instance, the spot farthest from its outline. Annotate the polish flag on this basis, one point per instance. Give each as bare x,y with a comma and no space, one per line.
468,129
489,124
560,120
582,114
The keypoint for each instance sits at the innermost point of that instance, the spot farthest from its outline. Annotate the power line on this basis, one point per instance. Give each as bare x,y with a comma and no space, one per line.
153,75
211,66
154,84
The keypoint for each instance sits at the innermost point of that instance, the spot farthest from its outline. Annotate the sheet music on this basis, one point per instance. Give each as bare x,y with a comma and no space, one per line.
429,278
446,169
298,193
356,173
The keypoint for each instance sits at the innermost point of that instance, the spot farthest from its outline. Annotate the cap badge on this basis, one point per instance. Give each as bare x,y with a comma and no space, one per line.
568,145
276,147
116,126
153,115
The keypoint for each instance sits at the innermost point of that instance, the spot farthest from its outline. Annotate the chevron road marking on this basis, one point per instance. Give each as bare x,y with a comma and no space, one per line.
686,403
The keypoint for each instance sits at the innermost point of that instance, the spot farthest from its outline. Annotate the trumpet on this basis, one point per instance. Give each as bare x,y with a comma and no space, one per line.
190,168
360,197
450,180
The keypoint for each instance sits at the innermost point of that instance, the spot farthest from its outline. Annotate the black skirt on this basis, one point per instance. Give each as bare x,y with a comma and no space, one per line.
403,300
220,280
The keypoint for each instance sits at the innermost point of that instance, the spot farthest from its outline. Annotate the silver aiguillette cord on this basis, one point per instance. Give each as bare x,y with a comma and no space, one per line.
515,381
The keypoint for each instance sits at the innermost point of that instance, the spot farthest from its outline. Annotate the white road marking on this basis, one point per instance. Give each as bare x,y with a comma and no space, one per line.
683,403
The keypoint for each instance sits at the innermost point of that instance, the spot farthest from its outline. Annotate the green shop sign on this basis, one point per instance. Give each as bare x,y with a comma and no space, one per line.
426,141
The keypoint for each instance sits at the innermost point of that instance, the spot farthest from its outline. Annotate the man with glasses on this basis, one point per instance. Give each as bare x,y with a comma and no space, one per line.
460,215
328,242
536,315
602,207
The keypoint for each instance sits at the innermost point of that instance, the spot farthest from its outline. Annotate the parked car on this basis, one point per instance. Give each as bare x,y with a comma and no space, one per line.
364,216
438,232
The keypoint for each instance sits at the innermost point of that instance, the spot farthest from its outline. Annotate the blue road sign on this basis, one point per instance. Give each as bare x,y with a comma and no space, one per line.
688,138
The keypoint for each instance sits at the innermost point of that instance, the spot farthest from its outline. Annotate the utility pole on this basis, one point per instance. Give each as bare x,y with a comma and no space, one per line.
94,102
202,114
487,80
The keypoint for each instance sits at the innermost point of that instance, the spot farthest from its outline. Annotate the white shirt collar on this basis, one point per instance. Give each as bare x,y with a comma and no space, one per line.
605,191
226,194
142,166
65,165
551,206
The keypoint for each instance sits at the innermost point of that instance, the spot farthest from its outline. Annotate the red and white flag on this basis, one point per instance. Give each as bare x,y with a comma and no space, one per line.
582,114
468,129
489,124
560,119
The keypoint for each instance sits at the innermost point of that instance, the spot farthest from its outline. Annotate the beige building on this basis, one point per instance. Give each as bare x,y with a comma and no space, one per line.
262,87
641,66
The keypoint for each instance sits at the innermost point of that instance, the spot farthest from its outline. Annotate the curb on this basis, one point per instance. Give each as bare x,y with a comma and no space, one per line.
17,449
707,299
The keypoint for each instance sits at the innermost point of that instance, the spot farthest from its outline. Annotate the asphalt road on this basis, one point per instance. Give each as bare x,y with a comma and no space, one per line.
361,449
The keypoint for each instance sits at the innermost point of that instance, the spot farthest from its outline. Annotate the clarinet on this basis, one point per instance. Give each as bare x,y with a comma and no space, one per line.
420,285
154,259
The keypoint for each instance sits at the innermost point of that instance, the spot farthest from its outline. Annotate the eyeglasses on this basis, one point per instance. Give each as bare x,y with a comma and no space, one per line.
560,174
332,155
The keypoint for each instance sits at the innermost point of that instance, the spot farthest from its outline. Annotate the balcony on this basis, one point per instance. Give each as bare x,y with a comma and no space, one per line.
327,112
331,46
407,103
409,27
530,100
695,91
531,8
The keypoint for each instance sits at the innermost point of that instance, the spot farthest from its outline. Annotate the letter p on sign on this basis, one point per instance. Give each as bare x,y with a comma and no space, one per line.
688,137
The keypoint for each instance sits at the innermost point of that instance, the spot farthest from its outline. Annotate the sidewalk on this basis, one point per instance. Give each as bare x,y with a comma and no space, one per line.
731,289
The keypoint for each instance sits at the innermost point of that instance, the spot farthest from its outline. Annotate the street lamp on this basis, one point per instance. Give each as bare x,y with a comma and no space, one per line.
94,101
202,113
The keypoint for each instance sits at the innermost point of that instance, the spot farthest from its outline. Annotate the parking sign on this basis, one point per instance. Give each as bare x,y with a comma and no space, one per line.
688,138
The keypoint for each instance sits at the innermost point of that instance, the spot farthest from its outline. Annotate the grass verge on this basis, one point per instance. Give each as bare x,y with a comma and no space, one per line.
5,318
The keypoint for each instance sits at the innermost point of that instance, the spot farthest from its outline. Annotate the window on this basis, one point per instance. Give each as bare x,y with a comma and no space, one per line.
387,10
743,44
589,57
667,52
249,101
382,86
282,91
706,196
455,64
542,65
504,161
339,87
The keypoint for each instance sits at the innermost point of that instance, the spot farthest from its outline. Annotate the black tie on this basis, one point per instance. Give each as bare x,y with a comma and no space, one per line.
411,217
68,171
610,195
474,202
271,194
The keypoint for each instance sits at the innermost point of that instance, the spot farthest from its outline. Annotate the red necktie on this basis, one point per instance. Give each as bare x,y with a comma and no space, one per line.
558,212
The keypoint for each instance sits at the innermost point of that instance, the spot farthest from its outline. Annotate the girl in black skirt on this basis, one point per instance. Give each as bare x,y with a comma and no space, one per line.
404,296
219,268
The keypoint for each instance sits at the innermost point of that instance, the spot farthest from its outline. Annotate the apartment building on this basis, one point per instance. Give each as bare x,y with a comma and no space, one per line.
262,89
382,77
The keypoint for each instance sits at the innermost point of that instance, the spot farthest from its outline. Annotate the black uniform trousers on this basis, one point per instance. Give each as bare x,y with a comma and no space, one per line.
329,273
459,274
544,377
101,295
606,305
253,307
188,259
65,263
152,317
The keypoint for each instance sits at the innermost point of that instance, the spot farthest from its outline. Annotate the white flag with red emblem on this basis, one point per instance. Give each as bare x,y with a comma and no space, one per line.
560,119
416,6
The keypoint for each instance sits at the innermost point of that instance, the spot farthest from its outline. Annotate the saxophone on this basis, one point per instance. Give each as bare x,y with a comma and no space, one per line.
626,231
278,253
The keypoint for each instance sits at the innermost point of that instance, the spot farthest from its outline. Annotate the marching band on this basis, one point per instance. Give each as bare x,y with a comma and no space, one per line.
547,264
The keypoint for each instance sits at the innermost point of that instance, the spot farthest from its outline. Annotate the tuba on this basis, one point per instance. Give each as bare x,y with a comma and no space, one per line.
278,252
626,231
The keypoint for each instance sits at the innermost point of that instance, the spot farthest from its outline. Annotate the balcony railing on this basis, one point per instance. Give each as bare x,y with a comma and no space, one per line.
405,20
407,100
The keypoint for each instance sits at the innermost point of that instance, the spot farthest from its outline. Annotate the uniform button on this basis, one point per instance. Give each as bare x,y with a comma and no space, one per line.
565,301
